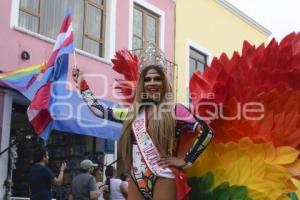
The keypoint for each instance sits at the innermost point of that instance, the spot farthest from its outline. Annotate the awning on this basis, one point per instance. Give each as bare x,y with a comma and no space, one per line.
71,114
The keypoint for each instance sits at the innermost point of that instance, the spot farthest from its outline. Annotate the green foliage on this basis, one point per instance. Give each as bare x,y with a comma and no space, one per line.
202,188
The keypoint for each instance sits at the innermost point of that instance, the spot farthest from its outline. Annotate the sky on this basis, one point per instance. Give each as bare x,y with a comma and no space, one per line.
278,16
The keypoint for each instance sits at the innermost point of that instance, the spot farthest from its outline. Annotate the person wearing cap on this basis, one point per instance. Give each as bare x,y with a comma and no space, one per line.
84,185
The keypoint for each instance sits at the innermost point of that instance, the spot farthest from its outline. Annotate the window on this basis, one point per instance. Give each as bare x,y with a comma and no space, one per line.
197,60
44,17
145,27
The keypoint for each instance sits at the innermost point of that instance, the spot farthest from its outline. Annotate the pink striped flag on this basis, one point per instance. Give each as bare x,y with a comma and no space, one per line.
38,112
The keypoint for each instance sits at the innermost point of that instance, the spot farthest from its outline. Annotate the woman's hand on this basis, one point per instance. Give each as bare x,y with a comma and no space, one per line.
77,76
166,161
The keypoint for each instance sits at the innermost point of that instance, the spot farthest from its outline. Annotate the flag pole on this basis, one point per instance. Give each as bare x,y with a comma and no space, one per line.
75,61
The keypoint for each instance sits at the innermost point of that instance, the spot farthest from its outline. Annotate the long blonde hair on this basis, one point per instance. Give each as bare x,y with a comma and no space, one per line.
160,129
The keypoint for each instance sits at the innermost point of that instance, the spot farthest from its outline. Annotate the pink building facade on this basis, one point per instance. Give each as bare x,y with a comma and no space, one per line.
103,26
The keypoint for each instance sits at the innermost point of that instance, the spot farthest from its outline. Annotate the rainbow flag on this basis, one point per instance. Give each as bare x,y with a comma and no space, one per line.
21,79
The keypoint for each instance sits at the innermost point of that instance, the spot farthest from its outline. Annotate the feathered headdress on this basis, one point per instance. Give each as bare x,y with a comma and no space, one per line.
130,65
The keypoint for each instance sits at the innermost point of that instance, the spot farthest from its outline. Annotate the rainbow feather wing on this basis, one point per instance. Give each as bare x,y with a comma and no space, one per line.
259,152
257,167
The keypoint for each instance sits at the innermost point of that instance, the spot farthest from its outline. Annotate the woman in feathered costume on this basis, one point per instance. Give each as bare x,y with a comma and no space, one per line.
151,127
255,152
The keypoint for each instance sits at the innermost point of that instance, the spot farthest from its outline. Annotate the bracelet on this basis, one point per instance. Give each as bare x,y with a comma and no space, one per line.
83,85
187,165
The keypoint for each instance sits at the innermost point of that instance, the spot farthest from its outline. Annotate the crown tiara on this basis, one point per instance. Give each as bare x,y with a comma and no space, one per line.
152,56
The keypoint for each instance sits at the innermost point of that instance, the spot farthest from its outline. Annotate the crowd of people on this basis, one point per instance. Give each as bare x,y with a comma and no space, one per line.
86,185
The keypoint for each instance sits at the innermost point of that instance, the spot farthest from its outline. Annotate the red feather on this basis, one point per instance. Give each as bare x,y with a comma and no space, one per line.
265,74
257,70
126,63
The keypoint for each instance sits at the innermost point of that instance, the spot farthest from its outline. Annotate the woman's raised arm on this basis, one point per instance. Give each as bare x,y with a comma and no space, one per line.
99,109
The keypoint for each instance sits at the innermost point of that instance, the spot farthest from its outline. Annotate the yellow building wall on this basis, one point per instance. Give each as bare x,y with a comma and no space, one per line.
212,27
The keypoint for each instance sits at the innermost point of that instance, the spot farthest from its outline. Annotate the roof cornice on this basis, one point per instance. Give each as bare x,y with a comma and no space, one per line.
234,10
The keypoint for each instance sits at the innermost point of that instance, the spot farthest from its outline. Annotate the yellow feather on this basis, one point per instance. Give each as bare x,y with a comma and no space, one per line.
250,165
